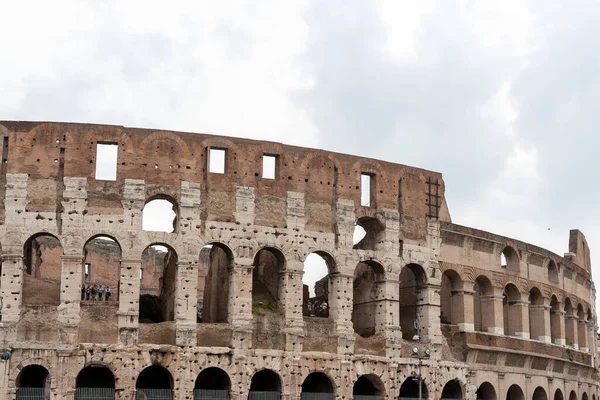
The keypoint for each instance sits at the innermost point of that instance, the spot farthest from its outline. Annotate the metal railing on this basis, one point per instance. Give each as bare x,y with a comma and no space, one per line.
153,394
94,393
210,394
31,393
255,395
365,397
316,396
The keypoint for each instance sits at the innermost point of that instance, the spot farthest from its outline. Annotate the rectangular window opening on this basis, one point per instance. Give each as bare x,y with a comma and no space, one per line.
366,190
269,166
88,268
106,161
216,160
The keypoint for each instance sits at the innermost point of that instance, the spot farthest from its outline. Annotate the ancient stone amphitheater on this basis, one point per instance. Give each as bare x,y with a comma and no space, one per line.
215,307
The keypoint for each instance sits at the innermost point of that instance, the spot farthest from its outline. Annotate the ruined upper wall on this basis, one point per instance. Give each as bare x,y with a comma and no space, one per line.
49,152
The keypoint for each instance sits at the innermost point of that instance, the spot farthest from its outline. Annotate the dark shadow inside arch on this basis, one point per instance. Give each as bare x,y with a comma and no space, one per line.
157,284
486,392
368,386
95,382
572,395
317,382
410,389
33,382
42,270
452,390
154,377
412,279
539,394
268,264
265,385
515,393
558,395
212,383
213,283
366,303
449,304
481,307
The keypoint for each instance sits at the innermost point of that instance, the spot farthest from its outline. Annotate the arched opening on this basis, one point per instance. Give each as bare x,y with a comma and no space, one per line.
160,215
315,293
265,385
95,382
451,301
572,395
33,382
555,315
536,314
412,280
212,383
154,382
570,324
509,259
552,272
213,283
558,395
410,389
101,269
269,263
366,298
512,310
367,233
317,382
483,310
581,328
157,287
515,393
486,391
42,258
368,387
584,396
539,394
452,390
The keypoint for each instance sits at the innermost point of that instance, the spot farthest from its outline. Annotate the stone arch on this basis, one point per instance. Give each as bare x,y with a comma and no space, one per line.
572,395
373,232
515,393
212,379
265,380
584,396
509,258
182,150
367,299
33,380
512,310
42,262
558,395
410,389
368,385
318,382
537,313
216,263
158,283
451,298
411,282
555,319
570,323
160,214
269,264
102,255
453,390
483,308
539,394
582,328
552,270
316,303
95,381
486,391
155,381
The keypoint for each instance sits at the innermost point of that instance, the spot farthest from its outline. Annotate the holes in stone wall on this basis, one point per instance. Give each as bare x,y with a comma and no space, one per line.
316,283
216,160
106,161
157,288
213,283
269,170
160,215
43,267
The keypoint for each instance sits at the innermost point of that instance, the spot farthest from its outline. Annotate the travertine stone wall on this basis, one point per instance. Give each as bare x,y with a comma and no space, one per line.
312,205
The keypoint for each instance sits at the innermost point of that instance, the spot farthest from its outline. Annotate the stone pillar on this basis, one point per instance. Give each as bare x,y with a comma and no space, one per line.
428,312
539,323
70,298
591,340
11,288
558,326
340,310
463,310
520,309
240,304
186,302
387,317
492,313
291,300
582,330
129,302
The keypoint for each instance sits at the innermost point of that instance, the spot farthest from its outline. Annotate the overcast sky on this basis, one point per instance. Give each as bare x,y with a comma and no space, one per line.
501,98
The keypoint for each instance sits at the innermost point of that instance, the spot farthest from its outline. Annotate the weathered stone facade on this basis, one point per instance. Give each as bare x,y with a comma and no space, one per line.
525,329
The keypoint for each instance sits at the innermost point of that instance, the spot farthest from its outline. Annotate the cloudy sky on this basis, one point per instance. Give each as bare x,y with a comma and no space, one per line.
499,96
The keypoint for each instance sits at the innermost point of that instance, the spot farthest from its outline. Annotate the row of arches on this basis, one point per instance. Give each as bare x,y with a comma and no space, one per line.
486,391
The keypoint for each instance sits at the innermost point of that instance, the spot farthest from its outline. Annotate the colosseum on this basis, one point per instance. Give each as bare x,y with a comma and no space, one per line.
96,305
